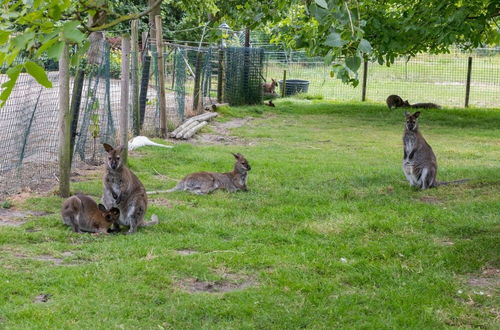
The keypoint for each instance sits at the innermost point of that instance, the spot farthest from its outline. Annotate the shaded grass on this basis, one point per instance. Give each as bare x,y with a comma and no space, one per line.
330,231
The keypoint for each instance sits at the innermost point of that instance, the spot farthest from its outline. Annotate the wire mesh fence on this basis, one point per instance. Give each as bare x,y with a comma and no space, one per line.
425,78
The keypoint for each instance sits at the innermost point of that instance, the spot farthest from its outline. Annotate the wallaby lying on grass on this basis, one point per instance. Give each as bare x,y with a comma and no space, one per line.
419,161
83,214
395,101
425,106
270,87
122,189
206,182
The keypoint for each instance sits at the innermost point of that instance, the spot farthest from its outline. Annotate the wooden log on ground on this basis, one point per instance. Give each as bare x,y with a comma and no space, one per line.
190,132
202,117
181,133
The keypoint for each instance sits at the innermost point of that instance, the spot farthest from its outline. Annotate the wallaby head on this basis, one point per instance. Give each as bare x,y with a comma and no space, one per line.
115,159
412,121
241,164
111,216
273,83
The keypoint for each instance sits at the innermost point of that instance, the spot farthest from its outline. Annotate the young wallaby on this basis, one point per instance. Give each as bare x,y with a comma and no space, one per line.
395,101
419,161
83,214
270,87
425,106
122,189
205,182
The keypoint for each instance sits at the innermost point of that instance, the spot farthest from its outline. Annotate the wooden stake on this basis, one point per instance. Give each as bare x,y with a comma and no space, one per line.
124,96
467,86
197,83
283,91
135,76
220,75
161,77
365,74
64,124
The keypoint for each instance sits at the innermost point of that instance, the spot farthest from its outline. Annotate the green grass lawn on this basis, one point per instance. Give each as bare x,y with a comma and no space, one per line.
329,235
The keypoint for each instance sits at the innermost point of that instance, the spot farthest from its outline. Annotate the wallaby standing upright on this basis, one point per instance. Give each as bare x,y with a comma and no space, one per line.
122,189
419,161
270,87
395,101
426,106
82,213
205,182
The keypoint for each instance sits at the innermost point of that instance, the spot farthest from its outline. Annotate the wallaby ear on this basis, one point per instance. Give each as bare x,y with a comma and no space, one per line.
119,149
102,208
107,147
235,155
416,114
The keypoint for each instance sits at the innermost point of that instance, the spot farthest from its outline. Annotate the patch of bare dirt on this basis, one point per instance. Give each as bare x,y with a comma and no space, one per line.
186,252
487,282
42,298
222,133
430,200
161,202
229,283
48,258
86,172
12,217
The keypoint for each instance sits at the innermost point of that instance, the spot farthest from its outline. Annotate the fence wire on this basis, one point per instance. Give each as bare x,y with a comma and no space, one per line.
425,78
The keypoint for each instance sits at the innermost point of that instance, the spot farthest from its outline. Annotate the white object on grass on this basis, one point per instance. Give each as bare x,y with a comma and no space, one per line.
142,141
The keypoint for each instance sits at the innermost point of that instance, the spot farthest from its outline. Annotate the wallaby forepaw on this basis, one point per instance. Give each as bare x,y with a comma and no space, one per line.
155,219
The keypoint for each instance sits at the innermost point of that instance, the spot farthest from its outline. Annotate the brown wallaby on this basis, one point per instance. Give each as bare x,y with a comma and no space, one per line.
122,189
270,87
425,106
395,101
419,161
83,214
205,182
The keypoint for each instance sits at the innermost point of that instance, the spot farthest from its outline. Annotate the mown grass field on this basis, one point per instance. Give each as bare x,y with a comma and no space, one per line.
330,235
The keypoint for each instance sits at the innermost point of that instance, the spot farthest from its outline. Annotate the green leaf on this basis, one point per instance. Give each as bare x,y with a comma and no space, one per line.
23,39
353,63
321,3
7,86
4,37
75,58
71,33
37,72
55,50
364,46
334,40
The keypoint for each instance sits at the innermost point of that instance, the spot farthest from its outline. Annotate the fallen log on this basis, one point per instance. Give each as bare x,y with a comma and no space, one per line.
202,117
190,132
181,133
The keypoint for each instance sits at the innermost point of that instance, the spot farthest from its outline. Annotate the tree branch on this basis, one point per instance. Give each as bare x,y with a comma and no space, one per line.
125,18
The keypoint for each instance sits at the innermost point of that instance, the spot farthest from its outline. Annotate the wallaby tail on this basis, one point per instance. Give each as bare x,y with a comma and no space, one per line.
176,188
446,183
154,221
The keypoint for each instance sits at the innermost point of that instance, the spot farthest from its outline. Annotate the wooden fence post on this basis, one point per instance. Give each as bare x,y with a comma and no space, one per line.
365,75
197,83
124,96
467,85
64,124
135,76
220,75
283,86
161,77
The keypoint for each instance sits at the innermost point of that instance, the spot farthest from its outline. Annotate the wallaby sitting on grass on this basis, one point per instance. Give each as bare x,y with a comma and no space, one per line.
205,182
419,161
426,106
83,214
395,101
270,87
122,189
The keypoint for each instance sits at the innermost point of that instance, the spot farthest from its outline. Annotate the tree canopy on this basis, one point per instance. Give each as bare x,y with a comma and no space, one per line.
344,32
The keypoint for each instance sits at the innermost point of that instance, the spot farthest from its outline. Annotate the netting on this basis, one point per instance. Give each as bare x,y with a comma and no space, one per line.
425,78
243,75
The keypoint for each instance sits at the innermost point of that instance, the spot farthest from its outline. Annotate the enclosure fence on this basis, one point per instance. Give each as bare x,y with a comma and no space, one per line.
440,78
